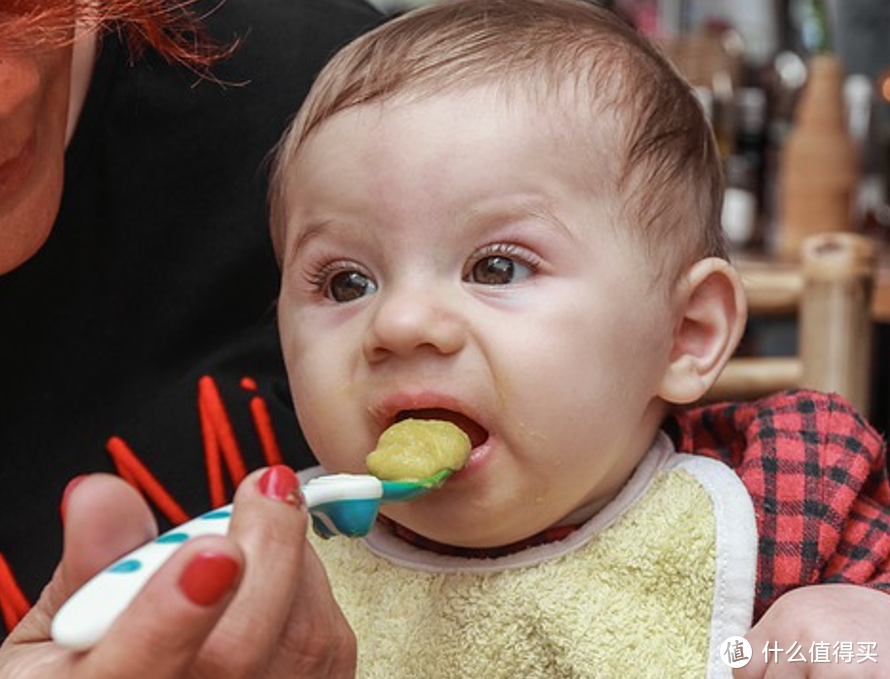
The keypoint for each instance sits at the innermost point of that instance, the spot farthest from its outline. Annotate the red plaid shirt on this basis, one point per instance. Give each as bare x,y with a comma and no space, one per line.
817,474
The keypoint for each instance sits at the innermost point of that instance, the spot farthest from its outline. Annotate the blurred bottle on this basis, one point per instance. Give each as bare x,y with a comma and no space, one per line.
746,169
818,164
751,127
811,34
740,205
870,212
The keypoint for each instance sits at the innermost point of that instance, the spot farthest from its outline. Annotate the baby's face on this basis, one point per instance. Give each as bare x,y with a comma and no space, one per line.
456,258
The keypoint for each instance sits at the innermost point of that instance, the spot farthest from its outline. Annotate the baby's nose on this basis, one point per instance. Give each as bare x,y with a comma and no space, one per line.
412,321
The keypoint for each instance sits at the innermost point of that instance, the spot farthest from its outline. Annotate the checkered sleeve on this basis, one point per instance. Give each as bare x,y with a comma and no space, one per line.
817,475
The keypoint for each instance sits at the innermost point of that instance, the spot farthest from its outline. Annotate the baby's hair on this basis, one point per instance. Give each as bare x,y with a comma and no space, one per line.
169,27
669,171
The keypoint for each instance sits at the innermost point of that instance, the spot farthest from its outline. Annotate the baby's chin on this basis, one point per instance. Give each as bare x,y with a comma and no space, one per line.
454,534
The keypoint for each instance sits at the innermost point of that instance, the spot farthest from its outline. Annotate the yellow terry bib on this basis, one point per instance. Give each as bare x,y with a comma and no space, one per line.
647,588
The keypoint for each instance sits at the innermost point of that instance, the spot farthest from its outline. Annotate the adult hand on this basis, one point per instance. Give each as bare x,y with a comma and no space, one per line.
831,630
253,604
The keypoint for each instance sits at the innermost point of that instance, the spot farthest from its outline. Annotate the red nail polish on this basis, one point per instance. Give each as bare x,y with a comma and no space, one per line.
72,484
208,578
280,483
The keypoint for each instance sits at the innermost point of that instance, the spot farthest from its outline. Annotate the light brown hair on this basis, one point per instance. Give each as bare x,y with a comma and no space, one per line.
669,175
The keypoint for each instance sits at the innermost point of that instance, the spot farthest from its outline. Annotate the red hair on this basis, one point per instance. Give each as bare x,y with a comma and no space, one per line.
169,27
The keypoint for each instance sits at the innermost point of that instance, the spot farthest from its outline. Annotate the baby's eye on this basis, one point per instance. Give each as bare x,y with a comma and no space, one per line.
346,286
502,267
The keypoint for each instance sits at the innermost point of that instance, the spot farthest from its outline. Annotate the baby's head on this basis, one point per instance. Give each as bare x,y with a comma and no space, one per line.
502,213
576,67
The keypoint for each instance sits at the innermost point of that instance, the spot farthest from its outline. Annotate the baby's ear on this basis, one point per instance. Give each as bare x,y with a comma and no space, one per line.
712,314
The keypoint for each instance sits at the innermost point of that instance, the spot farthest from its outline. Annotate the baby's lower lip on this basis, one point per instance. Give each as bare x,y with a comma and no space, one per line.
479,456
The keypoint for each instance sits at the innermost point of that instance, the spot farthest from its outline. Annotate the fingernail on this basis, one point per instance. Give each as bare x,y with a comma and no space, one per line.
208,578
72,484
280,483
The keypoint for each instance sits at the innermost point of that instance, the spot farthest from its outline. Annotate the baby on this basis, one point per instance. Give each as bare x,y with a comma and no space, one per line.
506,214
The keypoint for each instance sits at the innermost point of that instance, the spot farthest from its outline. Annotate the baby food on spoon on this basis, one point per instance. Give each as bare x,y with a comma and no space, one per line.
414,449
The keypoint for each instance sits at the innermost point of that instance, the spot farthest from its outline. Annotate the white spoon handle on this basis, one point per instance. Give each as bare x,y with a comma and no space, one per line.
88,614
340,504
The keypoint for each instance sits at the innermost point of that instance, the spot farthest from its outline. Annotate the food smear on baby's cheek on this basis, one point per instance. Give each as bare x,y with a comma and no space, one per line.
416,449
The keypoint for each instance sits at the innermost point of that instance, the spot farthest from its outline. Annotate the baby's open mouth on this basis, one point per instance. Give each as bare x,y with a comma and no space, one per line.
478,434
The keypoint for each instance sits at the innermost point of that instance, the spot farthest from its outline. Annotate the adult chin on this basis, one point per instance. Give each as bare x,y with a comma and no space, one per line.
25,227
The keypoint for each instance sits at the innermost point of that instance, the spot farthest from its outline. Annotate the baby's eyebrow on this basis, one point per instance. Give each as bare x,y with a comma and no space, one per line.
527,207
310,232
317,229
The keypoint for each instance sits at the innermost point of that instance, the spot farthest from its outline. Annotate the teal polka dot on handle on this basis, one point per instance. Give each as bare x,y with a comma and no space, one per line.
127,566
172,538
217,514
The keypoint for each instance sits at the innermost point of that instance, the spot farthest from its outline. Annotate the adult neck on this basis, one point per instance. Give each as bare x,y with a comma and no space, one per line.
83,60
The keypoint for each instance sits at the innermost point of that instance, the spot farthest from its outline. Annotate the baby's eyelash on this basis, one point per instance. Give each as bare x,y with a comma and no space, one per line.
511,250
318,277
316,280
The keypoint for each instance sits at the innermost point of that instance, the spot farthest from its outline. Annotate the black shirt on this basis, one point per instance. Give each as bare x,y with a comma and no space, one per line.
158,271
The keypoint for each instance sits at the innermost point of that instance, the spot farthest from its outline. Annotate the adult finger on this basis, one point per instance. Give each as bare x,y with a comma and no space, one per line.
269,525
163,630
318,641
104,519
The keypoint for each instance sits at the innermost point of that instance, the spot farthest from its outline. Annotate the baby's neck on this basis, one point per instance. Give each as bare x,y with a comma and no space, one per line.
553,534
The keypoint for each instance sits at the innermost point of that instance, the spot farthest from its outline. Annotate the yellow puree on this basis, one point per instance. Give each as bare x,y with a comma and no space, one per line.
415,449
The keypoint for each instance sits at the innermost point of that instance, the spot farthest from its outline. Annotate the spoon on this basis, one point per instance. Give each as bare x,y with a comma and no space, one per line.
347,504
339,504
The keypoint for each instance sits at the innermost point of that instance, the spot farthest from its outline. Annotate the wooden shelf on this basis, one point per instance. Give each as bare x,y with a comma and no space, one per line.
781,298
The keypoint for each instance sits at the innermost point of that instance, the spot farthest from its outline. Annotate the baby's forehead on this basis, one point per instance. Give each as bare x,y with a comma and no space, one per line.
486,124
591,121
